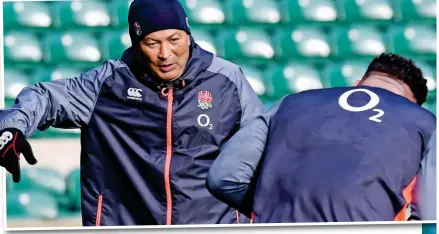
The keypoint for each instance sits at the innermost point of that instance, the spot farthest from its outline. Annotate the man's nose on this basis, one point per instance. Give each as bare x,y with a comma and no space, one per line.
164,52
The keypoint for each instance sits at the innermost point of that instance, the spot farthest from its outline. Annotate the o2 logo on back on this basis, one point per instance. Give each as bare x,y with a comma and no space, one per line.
374,100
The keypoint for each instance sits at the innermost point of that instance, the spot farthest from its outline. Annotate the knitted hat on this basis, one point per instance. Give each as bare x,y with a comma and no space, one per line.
148,16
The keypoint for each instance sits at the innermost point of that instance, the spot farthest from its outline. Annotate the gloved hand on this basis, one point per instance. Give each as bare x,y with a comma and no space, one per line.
12,143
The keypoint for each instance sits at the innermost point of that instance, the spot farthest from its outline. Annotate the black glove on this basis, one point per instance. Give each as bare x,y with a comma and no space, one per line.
12,143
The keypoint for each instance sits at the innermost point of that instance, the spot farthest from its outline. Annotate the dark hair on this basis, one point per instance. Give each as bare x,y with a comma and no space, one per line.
402,69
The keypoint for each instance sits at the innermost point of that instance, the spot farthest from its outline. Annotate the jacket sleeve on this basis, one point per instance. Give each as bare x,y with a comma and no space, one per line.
63,103
251,105
230,178
426,185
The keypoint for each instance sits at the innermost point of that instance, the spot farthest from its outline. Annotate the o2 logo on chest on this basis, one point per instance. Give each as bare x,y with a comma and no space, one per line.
205,103
204,121
374,100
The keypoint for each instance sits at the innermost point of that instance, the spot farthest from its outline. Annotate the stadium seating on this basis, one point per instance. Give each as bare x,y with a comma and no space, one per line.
366,11
15,82
352,34
71,46
204,11
26,14
249,11
53,73
73,14
291,78
31,205
302,41
415,11
73,191
43,179
57,133
308,11
114,42
343,74
282,46
245,43
429,73
22,47
119,13
356,41
39,198
205,40
264,34
413,40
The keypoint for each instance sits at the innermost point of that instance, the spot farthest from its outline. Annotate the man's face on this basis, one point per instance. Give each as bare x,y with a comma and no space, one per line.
165,53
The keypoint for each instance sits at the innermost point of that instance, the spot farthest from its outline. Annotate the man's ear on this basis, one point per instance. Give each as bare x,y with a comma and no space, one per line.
189,40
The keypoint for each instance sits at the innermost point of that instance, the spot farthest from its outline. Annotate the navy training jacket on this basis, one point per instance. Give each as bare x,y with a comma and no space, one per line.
146,145
330,155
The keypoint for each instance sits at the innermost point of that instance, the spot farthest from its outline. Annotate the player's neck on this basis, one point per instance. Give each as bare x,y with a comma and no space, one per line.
389,84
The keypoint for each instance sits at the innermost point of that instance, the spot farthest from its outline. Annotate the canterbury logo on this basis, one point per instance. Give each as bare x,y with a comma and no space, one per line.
135,94
5,138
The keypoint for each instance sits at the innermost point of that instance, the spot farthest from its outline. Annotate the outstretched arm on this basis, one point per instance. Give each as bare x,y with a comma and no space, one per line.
64,103
231,176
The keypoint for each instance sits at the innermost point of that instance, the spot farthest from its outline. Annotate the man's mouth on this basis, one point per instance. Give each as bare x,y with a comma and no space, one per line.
166,67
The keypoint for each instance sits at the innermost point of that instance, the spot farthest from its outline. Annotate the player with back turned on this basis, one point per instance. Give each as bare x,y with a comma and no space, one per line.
336,154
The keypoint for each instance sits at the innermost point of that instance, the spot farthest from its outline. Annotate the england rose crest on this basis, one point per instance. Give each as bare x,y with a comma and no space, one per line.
137,28
204,100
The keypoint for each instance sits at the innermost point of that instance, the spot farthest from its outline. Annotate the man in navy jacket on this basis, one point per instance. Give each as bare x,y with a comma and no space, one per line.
151,124
336,154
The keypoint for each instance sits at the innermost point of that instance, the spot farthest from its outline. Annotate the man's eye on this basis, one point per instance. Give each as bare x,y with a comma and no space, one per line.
175,39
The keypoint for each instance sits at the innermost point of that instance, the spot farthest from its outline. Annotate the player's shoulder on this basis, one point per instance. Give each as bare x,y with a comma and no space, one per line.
115,63
407,109
401,102
424,118
376,96
222,66
316,94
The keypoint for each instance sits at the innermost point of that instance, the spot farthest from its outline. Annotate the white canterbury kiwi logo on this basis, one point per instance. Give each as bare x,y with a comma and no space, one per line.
5,138
135,94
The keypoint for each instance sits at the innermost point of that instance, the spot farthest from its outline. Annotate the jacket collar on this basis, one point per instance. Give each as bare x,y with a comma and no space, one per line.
199,60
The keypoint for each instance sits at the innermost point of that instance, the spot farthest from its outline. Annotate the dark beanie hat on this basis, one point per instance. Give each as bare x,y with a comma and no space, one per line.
148,16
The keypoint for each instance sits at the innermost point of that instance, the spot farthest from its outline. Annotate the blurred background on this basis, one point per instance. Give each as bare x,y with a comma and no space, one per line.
283,46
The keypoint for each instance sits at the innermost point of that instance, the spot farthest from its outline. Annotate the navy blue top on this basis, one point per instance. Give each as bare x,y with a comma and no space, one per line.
338,154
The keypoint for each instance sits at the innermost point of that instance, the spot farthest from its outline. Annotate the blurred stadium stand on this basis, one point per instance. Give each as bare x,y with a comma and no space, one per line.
283,46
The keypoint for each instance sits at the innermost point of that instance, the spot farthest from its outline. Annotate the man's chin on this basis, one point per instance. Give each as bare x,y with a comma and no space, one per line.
167,76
